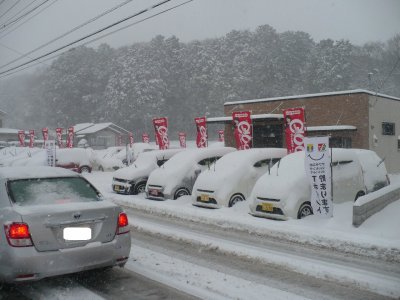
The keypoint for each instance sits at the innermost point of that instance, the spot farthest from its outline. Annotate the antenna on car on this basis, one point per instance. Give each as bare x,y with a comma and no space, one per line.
277,168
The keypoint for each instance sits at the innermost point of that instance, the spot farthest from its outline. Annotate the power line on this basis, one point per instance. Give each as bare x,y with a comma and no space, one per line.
8,23
89,35
13,50
68,32
12,6
15,28
98,38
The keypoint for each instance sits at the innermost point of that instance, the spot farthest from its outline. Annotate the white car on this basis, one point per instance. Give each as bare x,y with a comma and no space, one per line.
177,176
285,192
232,178
132,179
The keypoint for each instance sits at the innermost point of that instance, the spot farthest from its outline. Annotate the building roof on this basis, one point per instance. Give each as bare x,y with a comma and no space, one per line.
10,131
253,117
331,128
357,91
93,128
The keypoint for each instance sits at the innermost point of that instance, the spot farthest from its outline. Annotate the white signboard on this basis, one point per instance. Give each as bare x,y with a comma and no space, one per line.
318,168
50,146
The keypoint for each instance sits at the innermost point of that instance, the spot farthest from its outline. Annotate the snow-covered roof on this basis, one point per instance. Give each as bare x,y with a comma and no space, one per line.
81,126
253,117
34,172
10,131
331,128
357,91
93,128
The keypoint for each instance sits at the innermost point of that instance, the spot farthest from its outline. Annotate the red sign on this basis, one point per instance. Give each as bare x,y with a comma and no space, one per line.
31,138
130,139
294,129
21,137
221,136
59,137
161,131
70,137
201,126
145,138
45,132
182,139
242,129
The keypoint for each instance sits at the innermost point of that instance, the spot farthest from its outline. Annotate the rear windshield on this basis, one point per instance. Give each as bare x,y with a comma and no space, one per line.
26,192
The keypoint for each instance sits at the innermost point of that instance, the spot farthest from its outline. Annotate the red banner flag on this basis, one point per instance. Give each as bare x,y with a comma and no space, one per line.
145,138
130,139
161,130
21,137
242,129
201,126
31,138
70,137
45,132
182,139
221,136
294,129
59,137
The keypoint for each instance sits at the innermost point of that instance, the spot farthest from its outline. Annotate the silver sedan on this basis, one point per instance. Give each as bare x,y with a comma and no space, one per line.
53,222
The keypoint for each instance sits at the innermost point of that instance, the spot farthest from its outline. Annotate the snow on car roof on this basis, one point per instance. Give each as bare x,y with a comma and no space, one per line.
236,159
34,172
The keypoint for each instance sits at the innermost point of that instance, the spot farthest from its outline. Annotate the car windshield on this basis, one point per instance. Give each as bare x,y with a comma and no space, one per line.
39,191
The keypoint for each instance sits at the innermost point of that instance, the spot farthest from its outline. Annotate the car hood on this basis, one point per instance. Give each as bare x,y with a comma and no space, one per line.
133,172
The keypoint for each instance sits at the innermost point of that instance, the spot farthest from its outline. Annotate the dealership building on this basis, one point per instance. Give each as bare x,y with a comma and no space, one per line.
353,119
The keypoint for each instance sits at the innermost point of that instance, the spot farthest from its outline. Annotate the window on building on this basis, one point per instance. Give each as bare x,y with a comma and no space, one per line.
267,135
388,128
340,142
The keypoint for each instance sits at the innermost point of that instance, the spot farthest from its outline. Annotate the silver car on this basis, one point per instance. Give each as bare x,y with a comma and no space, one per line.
53,222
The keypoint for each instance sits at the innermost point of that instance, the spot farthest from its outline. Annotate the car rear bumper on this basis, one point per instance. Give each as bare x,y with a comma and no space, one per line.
27,264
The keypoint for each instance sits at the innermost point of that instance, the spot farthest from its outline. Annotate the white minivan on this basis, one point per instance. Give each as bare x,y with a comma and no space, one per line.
233,176
178,175
285,192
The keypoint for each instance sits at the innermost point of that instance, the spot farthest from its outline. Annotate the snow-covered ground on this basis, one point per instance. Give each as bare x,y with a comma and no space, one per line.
377,237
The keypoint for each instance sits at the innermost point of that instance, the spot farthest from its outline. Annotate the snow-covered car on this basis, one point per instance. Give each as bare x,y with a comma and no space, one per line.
132,179
54,222
133,152
178,175
106,160
233,176
76,159
285,191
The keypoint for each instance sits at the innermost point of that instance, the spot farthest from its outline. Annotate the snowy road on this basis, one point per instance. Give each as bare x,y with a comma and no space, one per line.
212,263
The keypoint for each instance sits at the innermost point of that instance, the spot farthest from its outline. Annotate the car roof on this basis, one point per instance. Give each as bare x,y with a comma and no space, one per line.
34,172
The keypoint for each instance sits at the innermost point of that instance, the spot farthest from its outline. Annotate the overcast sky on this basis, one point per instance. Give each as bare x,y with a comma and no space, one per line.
359,21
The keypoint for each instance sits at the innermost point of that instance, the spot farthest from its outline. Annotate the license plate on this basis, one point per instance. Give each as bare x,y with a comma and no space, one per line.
267,207
77,233
204,198
117,188
153,192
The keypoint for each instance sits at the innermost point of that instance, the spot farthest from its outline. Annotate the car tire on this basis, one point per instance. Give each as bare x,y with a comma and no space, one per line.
84,169
235,199
359,194
305,210
140,187
181,192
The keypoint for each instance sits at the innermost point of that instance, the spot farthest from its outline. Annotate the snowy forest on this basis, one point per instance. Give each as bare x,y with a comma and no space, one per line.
168,78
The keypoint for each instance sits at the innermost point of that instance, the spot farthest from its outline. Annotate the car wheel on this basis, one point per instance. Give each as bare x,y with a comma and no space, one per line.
85,169
359,194
304,210
181,192
140,187
235,199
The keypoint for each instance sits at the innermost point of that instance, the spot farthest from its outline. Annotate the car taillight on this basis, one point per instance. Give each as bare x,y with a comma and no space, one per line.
122,223
18,235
